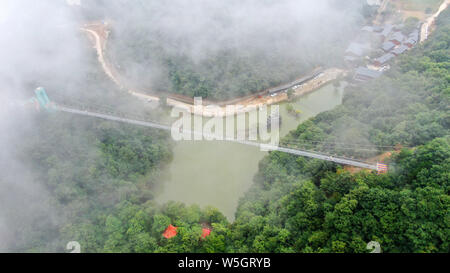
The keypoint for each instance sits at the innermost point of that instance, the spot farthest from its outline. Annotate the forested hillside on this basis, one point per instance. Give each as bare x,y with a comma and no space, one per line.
240,49
310,206
88,168
300,205
100,176
74,170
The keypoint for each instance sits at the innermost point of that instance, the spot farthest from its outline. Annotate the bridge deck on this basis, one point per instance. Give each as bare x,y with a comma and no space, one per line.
244,142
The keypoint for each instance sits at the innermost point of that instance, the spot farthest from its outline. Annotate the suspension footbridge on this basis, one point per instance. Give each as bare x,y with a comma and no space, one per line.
266,147
42,100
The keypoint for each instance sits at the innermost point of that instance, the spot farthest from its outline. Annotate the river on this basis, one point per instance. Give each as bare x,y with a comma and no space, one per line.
218,173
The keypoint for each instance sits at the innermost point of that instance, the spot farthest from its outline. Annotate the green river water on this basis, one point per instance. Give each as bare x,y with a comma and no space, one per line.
218,173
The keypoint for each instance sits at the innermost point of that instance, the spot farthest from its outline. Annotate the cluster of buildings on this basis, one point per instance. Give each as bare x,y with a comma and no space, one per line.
396,44
376,46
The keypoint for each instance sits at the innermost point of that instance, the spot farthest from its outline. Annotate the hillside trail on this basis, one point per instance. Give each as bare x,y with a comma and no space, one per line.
428,26
100,35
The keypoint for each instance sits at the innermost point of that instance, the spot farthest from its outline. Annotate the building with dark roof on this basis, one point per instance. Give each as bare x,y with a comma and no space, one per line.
410,42
387,30
365,74
397,38
400,50
414,35
412,39
387,46
383,59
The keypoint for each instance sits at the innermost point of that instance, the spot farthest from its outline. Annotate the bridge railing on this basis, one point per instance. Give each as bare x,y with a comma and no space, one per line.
114,115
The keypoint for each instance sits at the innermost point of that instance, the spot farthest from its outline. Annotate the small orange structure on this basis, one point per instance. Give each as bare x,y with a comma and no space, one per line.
170,232
206,233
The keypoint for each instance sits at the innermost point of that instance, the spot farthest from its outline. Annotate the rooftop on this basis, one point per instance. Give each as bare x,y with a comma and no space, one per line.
400,50
410,41
385,58
397,36
387,30
414,35
366,72
170,232
388,46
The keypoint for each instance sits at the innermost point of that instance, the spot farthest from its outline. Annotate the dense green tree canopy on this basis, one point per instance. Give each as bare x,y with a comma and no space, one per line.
101,177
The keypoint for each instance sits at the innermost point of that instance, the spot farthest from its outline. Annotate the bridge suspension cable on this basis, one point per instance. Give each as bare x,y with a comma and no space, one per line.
300,144
110,115
341,143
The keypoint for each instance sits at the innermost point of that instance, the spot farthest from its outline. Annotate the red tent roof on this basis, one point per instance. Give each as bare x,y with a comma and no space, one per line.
206,232
170,232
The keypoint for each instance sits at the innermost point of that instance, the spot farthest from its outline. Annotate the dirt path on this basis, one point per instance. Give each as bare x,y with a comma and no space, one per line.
99,33
98,46
427,27
100,36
